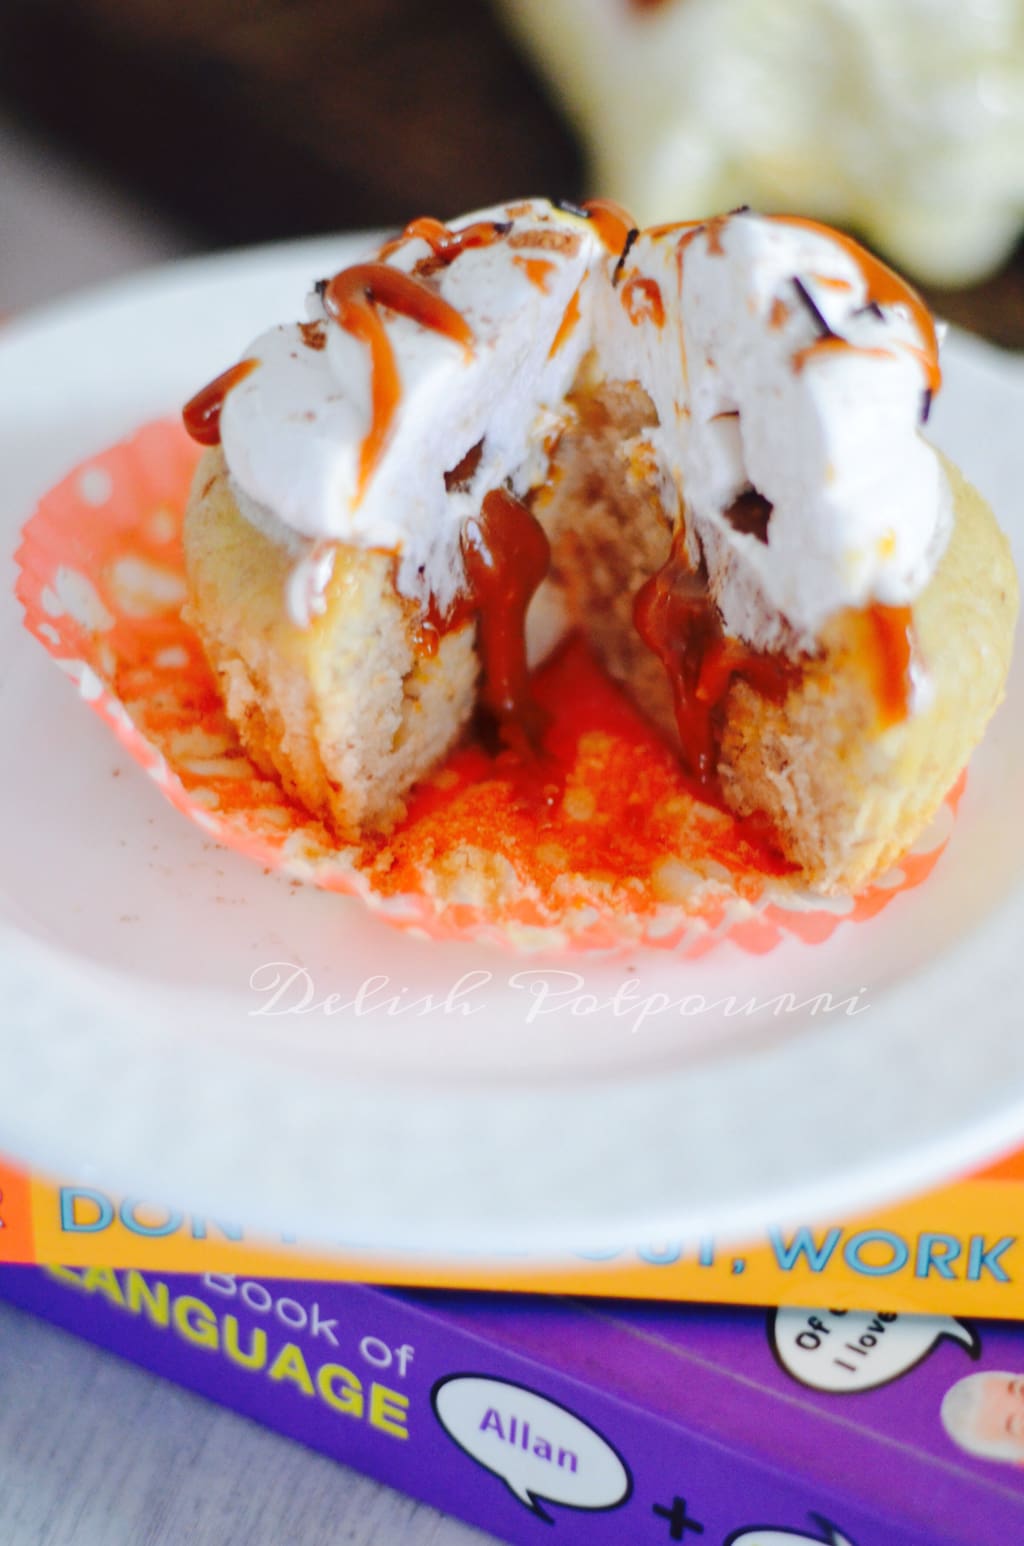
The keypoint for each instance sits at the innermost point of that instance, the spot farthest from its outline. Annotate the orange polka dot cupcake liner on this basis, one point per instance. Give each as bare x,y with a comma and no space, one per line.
594,844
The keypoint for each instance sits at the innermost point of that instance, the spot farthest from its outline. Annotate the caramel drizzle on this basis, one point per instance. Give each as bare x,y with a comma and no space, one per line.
674,228
831,343
443,242
506,556
712,229
352,298
613,224
642,299
885,288
201,414
570,317
831,282
676,618
890,651
537,270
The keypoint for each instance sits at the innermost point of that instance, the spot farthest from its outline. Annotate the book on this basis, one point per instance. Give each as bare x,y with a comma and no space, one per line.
588,1421
955,1251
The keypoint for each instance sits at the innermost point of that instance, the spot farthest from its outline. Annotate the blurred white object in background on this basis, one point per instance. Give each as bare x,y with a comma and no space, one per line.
903,119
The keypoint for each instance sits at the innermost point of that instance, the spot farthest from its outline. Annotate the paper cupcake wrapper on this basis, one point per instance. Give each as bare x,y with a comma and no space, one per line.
625,857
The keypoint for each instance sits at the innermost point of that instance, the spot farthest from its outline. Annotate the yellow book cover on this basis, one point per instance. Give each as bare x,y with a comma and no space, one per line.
954,1251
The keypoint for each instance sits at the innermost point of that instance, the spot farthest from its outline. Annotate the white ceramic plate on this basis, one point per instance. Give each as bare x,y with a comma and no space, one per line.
129,1051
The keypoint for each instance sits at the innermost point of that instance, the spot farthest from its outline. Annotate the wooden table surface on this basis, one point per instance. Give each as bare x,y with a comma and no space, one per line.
94,1452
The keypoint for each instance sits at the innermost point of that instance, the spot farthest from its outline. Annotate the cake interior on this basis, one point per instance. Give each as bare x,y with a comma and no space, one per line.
629,576
606,516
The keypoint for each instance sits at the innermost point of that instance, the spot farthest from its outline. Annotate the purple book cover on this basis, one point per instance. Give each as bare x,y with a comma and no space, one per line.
581,1422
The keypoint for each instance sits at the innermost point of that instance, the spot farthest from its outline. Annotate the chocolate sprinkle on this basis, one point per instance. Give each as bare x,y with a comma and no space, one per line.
320,287
630,239
750,514
460,477
569,208
824,331
872,307
926,404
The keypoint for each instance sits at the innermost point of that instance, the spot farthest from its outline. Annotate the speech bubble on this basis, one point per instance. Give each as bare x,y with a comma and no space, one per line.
539,1449
761,1535
845,1352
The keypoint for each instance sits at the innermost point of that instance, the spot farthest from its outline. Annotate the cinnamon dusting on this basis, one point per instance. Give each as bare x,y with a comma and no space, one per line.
313,334
546,239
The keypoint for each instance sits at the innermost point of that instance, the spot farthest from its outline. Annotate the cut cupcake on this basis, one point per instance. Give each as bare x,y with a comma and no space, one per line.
698,445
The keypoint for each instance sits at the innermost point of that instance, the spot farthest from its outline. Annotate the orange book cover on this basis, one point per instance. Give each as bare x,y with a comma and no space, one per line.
953,1251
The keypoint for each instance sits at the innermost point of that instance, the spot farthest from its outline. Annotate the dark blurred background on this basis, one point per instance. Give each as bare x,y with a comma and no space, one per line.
166,126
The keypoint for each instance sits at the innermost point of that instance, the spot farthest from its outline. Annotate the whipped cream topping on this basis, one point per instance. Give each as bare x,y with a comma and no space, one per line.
294,429
774,371
779,357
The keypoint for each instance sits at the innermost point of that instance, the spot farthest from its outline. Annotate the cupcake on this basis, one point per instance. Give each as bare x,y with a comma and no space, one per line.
695,448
